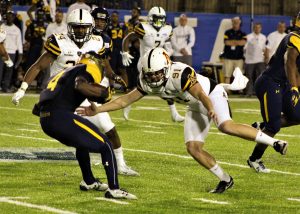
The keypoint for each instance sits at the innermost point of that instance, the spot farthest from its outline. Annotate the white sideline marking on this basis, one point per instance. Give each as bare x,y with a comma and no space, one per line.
16,108
27,137
41,207
154,132
159,153
211,201
111,200
29,130
294,199
221,162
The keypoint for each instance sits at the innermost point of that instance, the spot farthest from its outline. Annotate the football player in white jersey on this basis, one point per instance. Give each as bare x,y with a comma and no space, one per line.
206,101
154,33
64,50
4,55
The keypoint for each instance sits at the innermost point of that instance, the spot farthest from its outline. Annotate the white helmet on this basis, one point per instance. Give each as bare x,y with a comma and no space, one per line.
155,67
157,17
79,18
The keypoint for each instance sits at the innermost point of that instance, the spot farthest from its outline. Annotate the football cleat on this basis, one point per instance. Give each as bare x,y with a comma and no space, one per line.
123,169
97,185
222,186
258,166
280,146
177,118
119,194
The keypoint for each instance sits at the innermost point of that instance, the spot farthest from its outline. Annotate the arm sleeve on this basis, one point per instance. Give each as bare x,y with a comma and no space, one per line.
192,38
52,46
139,30
188,78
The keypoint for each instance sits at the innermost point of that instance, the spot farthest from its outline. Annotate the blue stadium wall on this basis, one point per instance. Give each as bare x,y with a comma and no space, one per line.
206,31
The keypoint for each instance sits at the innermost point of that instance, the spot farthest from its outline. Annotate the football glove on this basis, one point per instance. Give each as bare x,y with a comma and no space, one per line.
19,94
9,63
126,58
119,80
295,95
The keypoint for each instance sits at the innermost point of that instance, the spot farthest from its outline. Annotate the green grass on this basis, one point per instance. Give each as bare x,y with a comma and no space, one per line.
167,184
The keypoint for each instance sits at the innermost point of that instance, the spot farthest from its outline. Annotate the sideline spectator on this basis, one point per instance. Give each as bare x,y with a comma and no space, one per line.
254,56
274,39
12,43
79,4
183,40
58,26
234,40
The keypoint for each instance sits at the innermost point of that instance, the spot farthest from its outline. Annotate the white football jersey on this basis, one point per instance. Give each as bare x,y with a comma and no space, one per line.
152,38
67,52
2,34
180,79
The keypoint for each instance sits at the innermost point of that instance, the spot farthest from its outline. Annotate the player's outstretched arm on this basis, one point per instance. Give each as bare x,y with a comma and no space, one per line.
42,63
292,73
116,104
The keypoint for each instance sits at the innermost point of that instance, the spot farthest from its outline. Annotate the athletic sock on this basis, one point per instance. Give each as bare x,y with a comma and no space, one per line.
119,156
218,171
258,152
83,158
173,110
264,139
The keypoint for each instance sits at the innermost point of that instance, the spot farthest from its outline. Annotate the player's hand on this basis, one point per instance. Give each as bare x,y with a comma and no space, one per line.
87,110
9,63
295,96
212,115
126,58
120,80
19,94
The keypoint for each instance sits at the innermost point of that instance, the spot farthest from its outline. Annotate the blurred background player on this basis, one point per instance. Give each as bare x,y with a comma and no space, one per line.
101,17
117,31
154,33
14,47
64,50
48,6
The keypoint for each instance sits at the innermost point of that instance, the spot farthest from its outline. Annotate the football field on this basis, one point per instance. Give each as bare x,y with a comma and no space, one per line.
41,175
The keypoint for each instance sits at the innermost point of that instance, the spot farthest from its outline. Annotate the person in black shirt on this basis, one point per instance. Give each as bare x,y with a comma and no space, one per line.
234,40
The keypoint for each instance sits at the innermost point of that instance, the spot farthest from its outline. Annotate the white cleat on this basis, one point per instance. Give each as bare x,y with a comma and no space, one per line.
97,185
258,166
119,194
123,169
177,118
126,112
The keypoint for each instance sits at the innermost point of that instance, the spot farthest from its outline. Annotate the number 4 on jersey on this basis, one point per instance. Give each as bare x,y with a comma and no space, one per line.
53,82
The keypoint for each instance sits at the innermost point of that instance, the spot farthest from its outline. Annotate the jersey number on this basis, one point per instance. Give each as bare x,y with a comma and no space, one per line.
115,34
157,43
53,82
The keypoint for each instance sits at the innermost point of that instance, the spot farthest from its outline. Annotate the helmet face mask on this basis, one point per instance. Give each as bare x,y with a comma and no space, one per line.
157,17
80,25
155,67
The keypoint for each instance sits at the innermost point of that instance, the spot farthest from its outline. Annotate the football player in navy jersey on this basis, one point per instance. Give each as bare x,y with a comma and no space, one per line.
278,92
64,93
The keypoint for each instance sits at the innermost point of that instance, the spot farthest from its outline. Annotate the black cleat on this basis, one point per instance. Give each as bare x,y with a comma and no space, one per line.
222,186
258,125
280,146
97,185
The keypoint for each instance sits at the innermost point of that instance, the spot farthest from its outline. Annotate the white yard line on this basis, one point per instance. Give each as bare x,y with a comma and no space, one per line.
15,108
29,130
11,200
27,137
211,201
112,200
149,126
32,124
154,132
294,199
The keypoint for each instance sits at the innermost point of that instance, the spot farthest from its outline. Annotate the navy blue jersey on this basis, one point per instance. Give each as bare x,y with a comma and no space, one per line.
60,92
117,34
276,66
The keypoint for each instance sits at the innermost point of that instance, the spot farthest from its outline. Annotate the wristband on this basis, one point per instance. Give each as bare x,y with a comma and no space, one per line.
24,86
